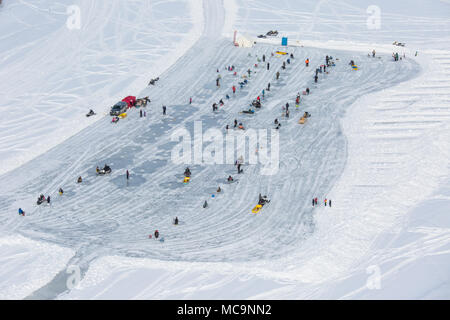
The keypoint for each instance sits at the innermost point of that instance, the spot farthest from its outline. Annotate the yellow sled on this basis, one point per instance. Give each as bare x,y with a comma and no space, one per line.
186,179
302,120
257,209
281,53
123,115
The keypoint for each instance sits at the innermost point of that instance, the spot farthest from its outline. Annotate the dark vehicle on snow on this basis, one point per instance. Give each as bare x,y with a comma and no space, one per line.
119,108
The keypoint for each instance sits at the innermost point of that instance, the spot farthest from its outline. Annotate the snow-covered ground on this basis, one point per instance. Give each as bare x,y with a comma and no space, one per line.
377,144
54,67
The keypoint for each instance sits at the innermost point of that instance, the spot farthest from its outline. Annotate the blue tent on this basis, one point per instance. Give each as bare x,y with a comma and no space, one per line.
284,41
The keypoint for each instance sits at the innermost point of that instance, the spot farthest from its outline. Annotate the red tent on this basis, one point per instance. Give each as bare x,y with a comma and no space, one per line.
130,100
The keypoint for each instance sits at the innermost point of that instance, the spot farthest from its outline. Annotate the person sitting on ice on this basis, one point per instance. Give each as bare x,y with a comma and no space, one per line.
156,234
79,179
241,126
187,172
219,190
263,200
230,179
175,222
21,212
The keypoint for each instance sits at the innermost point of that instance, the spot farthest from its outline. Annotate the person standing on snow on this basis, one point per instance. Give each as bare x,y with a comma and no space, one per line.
164,110
325,201
128,175
313,202
278,75
316,78
156,234
329,203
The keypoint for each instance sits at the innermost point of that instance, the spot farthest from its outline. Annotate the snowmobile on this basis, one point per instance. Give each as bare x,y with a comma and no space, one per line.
153,81
262,201
272,33
256,104
399,44
90,113
41,200
142,102
105,170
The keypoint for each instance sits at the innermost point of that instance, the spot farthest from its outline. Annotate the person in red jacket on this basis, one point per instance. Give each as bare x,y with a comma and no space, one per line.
234,89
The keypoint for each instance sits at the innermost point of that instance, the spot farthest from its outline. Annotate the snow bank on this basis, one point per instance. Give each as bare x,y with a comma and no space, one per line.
27,265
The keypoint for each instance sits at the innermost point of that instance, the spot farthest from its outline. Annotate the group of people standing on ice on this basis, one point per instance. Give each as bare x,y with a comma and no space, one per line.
315,202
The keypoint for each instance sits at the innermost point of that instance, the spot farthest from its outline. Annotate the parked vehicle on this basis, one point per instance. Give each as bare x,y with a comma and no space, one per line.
119,108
